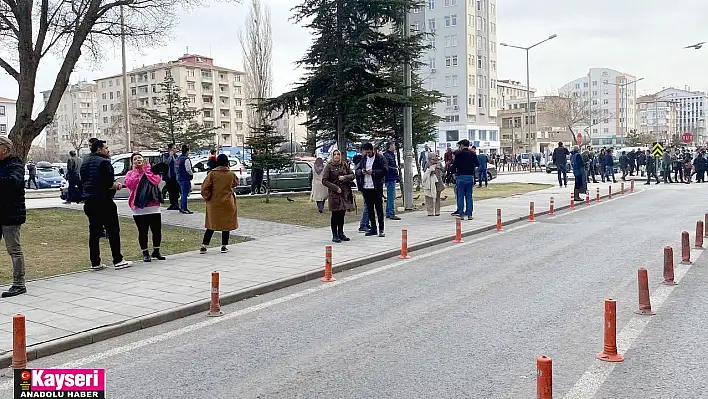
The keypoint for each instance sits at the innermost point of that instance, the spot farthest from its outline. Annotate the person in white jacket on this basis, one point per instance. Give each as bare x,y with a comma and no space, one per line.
433,184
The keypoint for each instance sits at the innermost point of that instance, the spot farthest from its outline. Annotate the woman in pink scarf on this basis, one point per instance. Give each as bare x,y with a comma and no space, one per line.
145,204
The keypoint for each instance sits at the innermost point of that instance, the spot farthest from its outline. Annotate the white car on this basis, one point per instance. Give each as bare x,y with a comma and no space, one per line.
200,168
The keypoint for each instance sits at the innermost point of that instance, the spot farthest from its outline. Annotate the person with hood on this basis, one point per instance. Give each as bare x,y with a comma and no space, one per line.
13,213
651,163
73,166
624,164
560,159
319,192
337,177
185,174
576,162
221,206
666,166
391,180
370,175
610,165
433,184
145,200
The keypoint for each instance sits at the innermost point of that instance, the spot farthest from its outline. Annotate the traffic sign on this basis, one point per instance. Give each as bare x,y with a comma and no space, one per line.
657,149
687,137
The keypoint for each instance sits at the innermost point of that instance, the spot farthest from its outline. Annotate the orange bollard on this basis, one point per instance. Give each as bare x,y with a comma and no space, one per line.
668,266
19,342
609,191
622,188
699,235
552,210
597,195
499,220
404,244
532,216
631,186
705,225
685,249
587,198
458,230
572,201
328,265
214,308
609,353
544,378
644,300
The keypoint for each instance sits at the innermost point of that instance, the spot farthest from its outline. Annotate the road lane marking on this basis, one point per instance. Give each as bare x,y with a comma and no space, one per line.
596,375
123,349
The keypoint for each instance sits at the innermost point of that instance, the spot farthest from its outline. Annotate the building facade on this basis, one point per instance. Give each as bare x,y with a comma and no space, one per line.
76,119
462,64
690,107
8,112
657,117
612,96
545,133
217,92
511,90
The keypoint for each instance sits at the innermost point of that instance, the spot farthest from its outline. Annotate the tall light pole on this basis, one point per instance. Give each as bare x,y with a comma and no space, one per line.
623,102
528,89
126,117
407,126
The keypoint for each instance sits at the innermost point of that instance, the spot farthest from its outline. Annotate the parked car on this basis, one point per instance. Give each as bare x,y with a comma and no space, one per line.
297,176
200,168
551,167
48,176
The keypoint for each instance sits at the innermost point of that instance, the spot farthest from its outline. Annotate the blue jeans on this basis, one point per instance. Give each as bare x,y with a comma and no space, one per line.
610,172
185,188
562,172
390,199
364,224
482,176
464,194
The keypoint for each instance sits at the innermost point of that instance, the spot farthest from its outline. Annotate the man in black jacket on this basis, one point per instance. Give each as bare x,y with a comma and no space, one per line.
99,187
464,165
560,159
12,213
370,177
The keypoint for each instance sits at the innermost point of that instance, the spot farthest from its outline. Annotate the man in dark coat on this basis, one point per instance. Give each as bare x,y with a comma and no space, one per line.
560,159
576,162
370,176
624,164
73,166
651,163
391,180
12,213
170,177
701,165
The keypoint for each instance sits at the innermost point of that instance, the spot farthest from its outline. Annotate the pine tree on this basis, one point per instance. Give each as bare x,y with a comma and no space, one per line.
266,144
172,121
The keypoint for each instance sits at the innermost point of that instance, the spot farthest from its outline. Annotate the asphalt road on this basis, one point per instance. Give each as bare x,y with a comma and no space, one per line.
464,321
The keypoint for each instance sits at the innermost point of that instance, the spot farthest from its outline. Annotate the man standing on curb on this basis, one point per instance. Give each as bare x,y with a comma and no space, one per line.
560,159
391,180
651,162
73,166
483,159
185,174
370,175
99,187
12,213
170,177
464,165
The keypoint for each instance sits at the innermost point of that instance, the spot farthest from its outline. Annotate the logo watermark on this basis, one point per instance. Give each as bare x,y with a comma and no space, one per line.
60,383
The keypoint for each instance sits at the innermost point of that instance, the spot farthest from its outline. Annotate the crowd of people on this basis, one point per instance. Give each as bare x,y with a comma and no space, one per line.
92,179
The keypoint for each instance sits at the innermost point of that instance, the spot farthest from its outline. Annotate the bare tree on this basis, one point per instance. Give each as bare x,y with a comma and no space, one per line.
573,113
76,137
30,30
257,44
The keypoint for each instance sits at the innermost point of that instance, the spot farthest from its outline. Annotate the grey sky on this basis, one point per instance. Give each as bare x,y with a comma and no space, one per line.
643,38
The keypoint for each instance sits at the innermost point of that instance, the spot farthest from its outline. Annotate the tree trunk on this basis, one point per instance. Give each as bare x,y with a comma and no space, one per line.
22,140
267,186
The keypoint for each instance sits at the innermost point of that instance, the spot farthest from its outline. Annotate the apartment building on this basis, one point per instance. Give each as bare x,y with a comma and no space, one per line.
462,64
545,131
511,90
690,107
8,112
614,94
217,91
657,117
76,118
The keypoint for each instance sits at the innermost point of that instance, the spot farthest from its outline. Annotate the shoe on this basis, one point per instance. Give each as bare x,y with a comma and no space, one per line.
566,185
173,208
98,267
202,250
368,234
14,291
437,214
186,212
66,202
646,184
470,218
561,186
381,234
343,237
122,264
146,256
157,255
455,213
224,249
337,240
363,230
394,217
656,183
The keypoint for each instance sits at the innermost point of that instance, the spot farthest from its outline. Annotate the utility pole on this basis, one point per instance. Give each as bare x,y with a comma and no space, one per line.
126,89
407,126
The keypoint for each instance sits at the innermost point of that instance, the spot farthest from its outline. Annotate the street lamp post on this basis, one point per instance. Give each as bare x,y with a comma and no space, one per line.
528,89
623,102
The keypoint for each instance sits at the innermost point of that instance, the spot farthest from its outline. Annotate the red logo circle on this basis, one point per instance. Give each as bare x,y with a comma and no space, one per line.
25,375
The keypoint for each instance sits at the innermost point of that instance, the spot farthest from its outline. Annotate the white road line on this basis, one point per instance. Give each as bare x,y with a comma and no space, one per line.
209,322
596,375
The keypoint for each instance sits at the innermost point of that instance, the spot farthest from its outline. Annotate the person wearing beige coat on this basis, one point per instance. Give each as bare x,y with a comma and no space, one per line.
319,192
221,205
432,184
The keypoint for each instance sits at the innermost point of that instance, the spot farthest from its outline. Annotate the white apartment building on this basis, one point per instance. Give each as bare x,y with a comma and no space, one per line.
462,64
8,113
657,117
511,90
615,95
76,118
691,107
217,91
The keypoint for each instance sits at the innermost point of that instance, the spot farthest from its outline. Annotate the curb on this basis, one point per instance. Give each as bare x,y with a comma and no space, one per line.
132,325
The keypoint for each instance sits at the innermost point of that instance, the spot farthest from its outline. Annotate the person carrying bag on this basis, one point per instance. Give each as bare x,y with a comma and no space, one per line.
144,200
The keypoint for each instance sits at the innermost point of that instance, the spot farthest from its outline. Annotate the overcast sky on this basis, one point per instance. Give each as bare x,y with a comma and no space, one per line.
643,38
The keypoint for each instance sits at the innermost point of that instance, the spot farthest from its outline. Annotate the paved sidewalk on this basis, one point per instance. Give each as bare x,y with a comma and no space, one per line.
66,305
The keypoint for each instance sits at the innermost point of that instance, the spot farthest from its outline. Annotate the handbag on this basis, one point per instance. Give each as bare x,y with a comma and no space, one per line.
147,193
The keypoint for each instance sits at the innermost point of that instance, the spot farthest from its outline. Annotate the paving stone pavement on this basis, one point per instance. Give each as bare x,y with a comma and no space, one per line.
64,305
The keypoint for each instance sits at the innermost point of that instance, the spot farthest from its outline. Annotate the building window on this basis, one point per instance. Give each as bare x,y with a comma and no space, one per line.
479,62
479,23
190,72
448,61
105,108
431,4
453,40
132,91
103,85
453,20
454,81
452,135
105,119
190,85
416,27
493,28
152,75
192,98
454,60
447,20
103,96
431,63
111,95
3,128
2,110
494,65
416,10
237,102
431,24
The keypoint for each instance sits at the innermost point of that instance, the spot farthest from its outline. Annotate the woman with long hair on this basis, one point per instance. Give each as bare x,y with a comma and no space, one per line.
337,177
144,200
221,206
319,192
